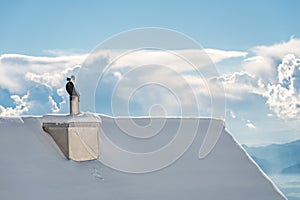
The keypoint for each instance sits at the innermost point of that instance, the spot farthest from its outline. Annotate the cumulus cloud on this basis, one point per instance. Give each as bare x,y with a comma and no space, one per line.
260,66
37,100
266,58
21,106
279,50
146,86
17,70
29,76
239,84
272,73
283,97
174,70
34,82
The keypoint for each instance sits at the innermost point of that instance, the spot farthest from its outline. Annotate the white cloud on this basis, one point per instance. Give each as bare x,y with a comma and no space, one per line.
283,97
173,70
54,107
31,103
19,74
18,71
273,74
260,66
147,86
287,69
264,62
249,124
232,114
65,52
179,60
219,55
117,74
279,50
24,76
240,84
21,106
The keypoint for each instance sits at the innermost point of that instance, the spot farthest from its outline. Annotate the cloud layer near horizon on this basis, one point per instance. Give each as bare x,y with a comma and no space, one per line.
35,85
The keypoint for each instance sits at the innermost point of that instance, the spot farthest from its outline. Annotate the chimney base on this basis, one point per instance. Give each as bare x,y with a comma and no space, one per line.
78,141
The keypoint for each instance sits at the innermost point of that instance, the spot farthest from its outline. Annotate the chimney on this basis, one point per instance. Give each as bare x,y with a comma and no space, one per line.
74,96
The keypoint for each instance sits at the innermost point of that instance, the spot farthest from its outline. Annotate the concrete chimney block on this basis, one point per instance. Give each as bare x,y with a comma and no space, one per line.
77,140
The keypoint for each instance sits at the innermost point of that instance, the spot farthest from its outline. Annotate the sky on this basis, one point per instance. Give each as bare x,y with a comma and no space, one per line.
255,46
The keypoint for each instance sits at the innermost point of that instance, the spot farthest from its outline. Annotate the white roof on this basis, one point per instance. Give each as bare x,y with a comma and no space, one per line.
32,167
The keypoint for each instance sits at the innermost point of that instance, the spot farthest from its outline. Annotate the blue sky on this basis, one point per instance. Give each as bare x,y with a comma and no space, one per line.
254,44
31,27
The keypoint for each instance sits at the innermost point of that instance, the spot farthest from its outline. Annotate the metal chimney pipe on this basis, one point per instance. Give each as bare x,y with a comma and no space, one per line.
74,96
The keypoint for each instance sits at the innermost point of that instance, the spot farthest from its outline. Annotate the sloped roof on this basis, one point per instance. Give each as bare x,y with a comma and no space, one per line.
32,167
